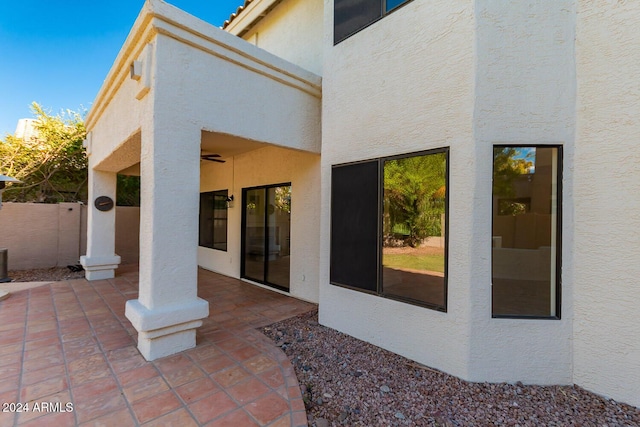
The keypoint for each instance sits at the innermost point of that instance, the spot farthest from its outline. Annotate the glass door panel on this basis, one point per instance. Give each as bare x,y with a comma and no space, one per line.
266,235
254,234
278,235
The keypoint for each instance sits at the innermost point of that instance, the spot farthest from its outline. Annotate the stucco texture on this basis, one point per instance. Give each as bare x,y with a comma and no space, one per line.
402,85
607,205
524,94
293,31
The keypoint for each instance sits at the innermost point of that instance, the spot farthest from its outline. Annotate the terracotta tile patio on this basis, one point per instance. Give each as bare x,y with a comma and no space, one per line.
69,342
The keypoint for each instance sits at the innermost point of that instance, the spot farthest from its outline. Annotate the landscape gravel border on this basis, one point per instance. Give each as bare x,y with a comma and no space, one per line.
52,274
345,381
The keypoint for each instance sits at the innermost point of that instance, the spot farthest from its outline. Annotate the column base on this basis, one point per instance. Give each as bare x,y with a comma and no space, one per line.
100,268
166,330
154,347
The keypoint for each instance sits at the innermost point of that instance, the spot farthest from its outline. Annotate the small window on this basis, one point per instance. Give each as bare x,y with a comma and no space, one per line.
351,16
213,220
526,231
388,227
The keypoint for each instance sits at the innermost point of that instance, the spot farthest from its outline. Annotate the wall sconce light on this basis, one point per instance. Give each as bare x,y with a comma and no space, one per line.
230,201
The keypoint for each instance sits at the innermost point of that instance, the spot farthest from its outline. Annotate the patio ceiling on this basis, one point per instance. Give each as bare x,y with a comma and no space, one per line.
227,145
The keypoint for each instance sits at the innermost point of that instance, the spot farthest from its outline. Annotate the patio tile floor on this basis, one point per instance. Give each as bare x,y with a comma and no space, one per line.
69,342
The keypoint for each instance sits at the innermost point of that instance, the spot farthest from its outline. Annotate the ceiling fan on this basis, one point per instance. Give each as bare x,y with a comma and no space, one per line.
212,158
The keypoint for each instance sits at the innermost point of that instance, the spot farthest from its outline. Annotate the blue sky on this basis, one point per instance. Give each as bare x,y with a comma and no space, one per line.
58,53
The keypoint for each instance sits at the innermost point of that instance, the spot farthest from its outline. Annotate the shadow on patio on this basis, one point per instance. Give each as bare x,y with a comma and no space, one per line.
69,342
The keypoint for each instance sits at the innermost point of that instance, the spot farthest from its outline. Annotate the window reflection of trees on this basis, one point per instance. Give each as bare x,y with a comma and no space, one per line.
414,199
413,247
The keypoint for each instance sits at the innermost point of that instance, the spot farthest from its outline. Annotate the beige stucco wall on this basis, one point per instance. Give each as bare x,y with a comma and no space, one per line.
197,89
267,166
524,94
41,235
293,31
472,74
404,84
607,226
49,235
476,74
128,233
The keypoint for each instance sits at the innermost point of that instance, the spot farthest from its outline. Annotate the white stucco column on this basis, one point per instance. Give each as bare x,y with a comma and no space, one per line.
101,260
168,310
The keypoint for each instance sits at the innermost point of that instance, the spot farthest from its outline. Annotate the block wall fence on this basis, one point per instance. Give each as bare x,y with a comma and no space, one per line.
41,235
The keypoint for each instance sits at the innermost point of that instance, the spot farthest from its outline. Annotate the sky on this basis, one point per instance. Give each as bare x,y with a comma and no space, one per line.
58,52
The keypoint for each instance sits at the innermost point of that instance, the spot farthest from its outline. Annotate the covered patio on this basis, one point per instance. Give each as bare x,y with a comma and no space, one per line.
70,342
182,92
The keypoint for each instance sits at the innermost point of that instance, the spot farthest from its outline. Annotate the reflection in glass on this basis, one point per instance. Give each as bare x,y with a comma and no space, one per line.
414,238
279,239
391,4
213,220
267,235
206,220
254,234
220,220
525,238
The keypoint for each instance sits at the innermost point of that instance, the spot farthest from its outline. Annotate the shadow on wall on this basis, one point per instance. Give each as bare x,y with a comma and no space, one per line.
49,235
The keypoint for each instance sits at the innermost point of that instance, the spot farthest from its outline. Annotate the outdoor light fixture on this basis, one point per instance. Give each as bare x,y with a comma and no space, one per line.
3,182
230,201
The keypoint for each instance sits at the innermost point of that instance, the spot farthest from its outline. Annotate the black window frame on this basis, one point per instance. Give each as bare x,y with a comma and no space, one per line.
384,11
558,260
379,285
222,196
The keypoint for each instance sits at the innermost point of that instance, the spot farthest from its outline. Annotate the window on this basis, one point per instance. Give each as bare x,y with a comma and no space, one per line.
526,231
388,227
354,225
351,16
213,219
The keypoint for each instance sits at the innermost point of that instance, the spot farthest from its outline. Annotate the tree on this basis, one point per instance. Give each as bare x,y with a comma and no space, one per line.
52,165
414,197
128,190
509,163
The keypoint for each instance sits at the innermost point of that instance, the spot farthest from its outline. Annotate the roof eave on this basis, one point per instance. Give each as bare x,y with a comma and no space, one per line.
248,15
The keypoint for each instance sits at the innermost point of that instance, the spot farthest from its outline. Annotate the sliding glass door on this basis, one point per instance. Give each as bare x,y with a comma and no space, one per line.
266,234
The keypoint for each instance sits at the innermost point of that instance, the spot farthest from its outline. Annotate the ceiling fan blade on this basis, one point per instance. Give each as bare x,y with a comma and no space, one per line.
212,158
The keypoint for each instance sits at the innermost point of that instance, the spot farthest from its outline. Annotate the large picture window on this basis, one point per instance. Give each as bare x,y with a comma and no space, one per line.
414,225
388,227
213,220
526,239
351,16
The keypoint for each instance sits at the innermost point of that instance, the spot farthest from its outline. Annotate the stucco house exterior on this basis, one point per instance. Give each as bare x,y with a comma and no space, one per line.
455,181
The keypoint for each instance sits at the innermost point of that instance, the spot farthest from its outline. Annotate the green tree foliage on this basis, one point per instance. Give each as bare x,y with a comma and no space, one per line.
128,191
414,197
52,165
509,163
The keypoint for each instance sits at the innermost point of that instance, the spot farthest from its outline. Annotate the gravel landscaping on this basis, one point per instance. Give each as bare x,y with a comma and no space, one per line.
346,381
53,274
